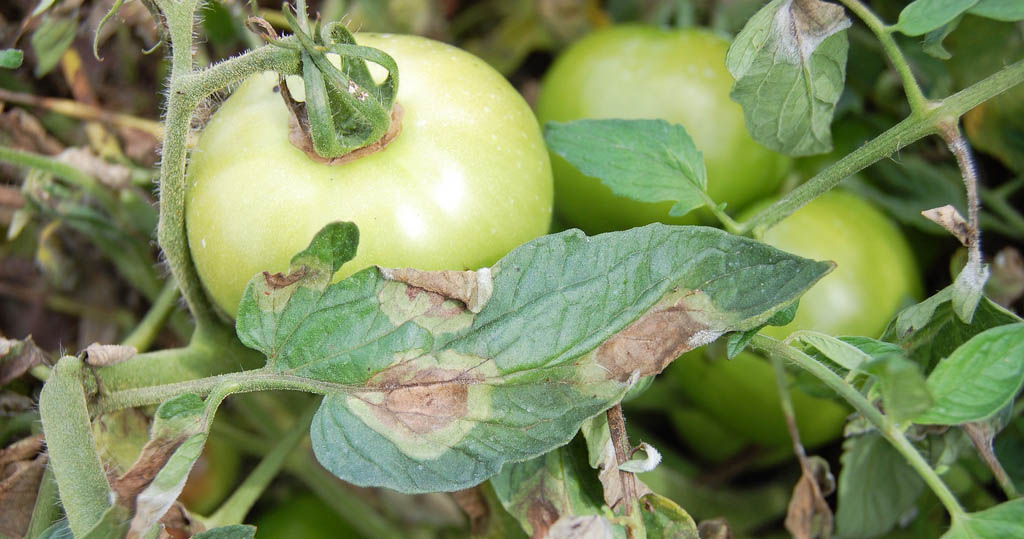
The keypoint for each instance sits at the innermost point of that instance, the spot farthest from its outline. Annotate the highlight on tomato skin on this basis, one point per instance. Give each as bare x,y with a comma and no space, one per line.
466,180
644,72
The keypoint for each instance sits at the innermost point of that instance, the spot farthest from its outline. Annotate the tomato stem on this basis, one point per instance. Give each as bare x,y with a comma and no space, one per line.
882,422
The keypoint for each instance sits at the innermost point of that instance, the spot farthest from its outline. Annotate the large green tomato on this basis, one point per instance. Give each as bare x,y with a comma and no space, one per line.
465,181
874,277
646,72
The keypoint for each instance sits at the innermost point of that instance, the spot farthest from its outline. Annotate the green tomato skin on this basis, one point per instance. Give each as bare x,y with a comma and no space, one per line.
875,275
645,73
466,180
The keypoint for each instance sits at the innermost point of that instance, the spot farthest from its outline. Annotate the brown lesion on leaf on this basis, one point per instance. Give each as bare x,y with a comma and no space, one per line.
472,288
21,471
276,281
541,514
654,340
153,458
422,400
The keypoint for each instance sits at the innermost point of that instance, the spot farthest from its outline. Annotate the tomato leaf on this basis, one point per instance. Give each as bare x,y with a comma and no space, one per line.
1000,10
738,341
422,394
876,487
979,378
11,58
50,40
644,160
554,488
923,16
904,391
1003,520
789,63
930,330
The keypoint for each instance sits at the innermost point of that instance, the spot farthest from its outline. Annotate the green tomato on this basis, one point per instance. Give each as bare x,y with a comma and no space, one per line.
304,516
645,72
465,181
874,277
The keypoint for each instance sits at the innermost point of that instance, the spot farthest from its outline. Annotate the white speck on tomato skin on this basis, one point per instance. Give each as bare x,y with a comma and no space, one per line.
203,243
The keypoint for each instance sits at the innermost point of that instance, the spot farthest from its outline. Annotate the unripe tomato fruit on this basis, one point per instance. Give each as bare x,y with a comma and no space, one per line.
465,181
875,276
646,72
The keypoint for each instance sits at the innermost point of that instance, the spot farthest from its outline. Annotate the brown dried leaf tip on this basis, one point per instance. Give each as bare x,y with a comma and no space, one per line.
950,219
276,281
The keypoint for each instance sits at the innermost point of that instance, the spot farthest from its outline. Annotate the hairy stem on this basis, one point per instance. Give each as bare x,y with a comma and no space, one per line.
958,147
915,97
882,422
916,126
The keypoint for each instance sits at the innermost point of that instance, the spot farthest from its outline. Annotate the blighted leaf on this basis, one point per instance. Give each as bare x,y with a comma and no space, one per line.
473,288
548,489
236,531
17,357
950,219
1000,10
876,487
643,160
969,288
1003,520
422,394
904,391
809,515
664,519
11,58
979,378
601,452
21,470
789,63
53,36
104,355
645,459
930,330
923,16
154,482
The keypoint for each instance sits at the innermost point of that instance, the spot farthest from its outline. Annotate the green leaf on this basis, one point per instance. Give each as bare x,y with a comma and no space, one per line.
789,63
1003,520
41,7
644,160
979,378
930,330
552,488
932,44
923,16
434,380
876,487
1000,10
235,531
842,353
53,36
11,58
113,523
664,519
904,391
738,341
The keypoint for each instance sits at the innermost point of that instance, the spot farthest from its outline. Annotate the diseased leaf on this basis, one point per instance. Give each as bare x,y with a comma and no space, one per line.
809,515
549,489
421,394
17,357
151,486
601,452
644,160
1000,10
789,63
979,378
968,289
11,58
53,36
876,487
930,331
1003,520
236,531
22,465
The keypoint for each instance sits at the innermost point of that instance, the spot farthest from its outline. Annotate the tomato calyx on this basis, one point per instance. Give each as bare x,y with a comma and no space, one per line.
344,113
